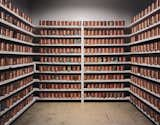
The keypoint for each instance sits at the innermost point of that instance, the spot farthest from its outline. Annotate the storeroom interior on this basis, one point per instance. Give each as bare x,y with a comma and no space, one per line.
79,62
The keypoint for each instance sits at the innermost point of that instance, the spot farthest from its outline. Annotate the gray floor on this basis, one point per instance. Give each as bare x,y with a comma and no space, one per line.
110,113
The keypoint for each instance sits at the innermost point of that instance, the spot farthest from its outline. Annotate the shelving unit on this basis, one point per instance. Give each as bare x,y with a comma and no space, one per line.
20,112
149,117
16,65
145,54
53,46
106,65
51,41
79,61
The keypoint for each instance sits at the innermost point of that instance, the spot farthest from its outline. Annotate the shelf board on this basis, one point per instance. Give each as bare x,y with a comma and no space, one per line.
14,79
105,27
58,63
15,53
57,27
106,81
146,90
58,45
144,17
95,54
106,99
15,104
58,90
58,54
20,112
146,102
106,72
16,27
146,65
15,66
15,91
16,15
145,40
58,72
58,36
58,81
16,40
107,90
107,36
106,45
58,99
107,63
144,53
156,123
145,29
145,77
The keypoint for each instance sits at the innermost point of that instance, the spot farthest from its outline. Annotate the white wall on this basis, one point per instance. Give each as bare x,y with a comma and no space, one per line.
80,13
82,9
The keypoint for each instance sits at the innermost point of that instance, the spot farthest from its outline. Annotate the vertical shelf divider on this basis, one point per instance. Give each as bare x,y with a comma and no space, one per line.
82,62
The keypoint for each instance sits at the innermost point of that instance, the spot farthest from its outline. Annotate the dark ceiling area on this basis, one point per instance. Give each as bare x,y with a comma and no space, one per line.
133,6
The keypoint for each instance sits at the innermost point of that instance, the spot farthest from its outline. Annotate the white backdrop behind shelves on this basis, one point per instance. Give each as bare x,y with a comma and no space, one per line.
81,9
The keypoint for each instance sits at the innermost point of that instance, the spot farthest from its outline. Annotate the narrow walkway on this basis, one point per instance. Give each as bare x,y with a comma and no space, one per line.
110,113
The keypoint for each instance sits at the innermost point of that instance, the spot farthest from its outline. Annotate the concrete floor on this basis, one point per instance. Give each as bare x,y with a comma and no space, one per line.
110,113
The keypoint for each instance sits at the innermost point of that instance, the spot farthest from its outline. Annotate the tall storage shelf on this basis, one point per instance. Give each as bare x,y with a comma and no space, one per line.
145,73
105,55
59,52
61,56
16,65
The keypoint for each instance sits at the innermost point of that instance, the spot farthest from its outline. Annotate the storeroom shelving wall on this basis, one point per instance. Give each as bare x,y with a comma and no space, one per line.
79,61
